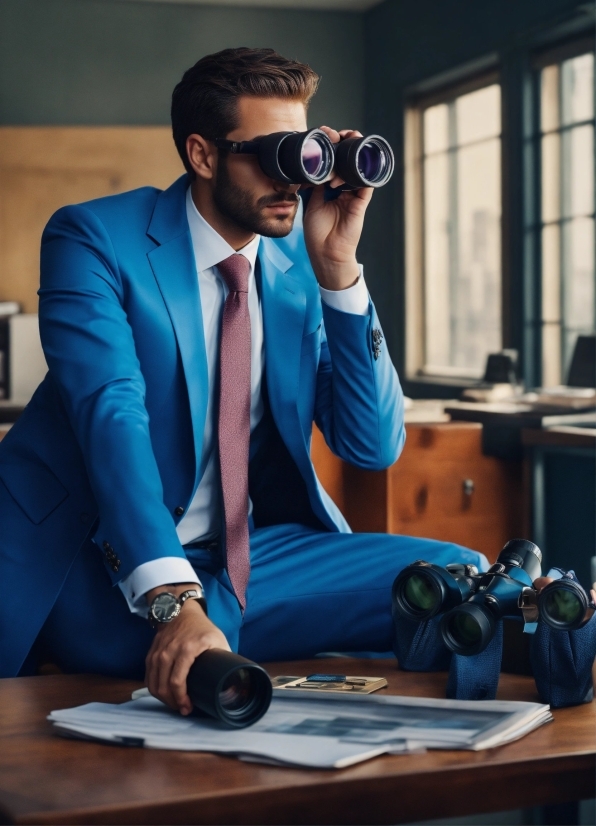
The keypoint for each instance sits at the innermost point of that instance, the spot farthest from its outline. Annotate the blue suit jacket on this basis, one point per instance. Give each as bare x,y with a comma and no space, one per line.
110,444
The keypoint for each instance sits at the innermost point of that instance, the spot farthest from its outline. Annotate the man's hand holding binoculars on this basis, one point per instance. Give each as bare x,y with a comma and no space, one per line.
332,228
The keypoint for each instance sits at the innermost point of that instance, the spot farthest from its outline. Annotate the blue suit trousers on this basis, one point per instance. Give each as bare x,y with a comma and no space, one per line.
309,591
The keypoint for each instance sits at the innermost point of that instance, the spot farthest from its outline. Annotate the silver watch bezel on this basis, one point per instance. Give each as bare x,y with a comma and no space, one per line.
172,600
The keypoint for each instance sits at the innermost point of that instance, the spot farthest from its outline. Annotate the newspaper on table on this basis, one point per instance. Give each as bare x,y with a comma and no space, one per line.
331,732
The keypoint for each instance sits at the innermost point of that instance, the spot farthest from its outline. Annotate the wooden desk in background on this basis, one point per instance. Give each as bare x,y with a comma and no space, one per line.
442,487
48,779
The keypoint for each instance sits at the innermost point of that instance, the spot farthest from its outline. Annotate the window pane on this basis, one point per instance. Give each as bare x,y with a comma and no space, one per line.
577,88
578,171
549,99
436,253
551,273
478,114
551,164
476,292
551,355
578,274
436,128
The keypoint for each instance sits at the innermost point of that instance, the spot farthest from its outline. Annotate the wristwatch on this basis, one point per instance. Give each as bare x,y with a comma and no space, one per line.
166,606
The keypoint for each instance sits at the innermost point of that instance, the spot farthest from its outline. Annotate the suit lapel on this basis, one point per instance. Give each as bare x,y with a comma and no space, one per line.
173,266
284,306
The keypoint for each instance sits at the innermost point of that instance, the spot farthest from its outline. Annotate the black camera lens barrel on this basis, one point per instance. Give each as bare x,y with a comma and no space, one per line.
229,688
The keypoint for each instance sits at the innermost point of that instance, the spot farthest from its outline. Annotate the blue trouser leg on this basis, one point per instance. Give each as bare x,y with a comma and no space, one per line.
311,591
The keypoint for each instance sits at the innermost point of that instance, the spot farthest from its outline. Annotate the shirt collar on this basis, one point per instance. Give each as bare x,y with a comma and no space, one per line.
208,245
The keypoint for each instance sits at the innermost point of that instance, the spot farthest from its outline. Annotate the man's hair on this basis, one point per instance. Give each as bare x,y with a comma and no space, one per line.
205,100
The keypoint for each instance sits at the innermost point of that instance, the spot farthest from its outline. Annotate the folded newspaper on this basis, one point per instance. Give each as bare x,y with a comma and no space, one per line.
330,732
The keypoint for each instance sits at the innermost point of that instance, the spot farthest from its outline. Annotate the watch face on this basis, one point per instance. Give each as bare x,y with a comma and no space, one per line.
165,607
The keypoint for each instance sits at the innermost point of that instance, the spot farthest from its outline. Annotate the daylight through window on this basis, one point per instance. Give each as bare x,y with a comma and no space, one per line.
461,174
567,151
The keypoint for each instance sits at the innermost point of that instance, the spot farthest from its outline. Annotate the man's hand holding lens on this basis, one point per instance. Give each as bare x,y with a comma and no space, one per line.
332,229
176,646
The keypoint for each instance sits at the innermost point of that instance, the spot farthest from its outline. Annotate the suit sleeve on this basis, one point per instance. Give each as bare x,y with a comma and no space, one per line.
359,404
90,351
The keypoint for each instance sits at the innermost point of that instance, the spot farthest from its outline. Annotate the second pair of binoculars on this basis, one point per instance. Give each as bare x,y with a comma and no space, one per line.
472,603
312,158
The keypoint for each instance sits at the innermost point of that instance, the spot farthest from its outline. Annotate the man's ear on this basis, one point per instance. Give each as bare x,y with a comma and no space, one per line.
202,156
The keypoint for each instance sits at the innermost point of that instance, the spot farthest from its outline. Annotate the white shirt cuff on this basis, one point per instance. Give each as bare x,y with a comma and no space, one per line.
167,570
353,300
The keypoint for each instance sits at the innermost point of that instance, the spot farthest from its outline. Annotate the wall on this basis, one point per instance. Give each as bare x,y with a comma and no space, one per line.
407,43
116,62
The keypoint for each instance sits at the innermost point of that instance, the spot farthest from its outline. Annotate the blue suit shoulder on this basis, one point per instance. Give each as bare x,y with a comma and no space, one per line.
114,212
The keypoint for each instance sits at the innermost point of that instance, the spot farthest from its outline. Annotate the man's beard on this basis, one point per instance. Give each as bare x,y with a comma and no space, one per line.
237,205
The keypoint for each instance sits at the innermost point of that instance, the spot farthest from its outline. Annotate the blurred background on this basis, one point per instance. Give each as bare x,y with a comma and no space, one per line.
483,240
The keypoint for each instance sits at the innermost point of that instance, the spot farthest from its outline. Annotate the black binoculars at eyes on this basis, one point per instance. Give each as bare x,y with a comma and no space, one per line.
310,157
473,603
229,688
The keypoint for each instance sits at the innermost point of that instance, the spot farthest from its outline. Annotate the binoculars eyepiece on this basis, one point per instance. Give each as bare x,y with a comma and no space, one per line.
310,157
229,688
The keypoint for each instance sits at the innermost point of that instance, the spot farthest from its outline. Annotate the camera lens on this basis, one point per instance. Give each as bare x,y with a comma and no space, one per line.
229,687
419,593
236,690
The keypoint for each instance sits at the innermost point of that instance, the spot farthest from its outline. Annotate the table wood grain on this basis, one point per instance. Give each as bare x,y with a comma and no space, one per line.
45,778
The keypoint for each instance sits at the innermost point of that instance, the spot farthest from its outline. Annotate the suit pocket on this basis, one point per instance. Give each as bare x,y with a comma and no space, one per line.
311,341
33,486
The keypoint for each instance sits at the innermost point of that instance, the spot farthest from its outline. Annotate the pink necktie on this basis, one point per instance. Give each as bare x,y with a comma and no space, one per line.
234,420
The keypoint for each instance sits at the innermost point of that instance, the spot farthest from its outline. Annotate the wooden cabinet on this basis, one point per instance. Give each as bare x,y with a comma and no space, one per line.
442,487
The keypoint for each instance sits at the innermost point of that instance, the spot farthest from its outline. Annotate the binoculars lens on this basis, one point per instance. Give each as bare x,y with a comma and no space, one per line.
364,161
419,593
373,161
313,158
464,630
468,629
563,606
236,690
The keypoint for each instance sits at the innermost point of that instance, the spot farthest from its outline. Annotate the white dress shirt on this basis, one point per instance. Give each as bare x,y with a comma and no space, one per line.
202,518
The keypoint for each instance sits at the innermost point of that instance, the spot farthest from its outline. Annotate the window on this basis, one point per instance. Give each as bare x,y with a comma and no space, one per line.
567,210
458,174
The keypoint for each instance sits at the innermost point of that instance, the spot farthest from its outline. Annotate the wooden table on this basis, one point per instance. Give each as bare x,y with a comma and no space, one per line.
47,779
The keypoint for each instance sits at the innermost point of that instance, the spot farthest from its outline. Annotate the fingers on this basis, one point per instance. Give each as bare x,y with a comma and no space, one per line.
542,582
174,649
177,680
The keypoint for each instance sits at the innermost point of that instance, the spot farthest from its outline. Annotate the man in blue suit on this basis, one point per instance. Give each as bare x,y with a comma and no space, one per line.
111,492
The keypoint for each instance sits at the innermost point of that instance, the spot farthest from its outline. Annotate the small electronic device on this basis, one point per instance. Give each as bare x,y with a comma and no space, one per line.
329,683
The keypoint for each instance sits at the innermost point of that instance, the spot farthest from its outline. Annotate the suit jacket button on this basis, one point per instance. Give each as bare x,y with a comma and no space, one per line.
179,510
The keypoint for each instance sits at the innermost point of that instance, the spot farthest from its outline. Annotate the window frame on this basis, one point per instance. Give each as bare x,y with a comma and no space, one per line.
415,329
553,54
